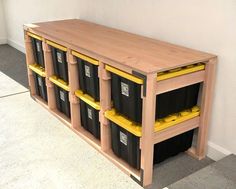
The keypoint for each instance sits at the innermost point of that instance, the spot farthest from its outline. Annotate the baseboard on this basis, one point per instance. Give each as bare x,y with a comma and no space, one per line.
216,152
3,41
16,45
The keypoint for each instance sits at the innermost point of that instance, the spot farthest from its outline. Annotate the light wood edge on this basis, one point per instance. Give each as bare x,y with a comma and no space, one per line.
206,106
179,82
176,130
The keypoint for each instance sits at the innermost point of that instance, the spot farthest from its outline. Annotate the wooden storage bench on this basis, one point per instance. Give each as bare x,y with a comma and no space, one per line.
158,67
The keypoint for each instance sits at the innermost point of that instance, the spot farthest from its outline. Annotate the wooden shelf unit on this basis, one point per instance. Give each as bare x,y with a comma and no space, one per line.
133,54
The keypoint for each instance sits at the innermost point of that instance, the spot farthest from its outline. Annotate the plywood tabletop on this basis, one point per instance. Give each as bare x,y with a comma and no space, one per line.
139,53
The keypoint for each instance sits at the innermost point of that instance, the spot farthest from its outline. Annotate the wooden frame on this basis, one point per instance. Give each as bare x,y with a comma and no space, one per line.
150,89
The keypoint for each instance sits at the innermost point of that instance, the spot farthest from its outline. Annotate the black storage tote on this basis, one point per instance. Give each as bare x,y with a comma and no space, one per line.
126,97
90,119
37,47
40,86
62,100
126,146
88,75
60,64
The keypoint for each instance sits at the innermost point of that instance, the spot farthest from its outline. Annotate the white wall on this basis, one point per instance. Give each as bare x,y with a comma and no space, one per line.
205,25
21,12
3,34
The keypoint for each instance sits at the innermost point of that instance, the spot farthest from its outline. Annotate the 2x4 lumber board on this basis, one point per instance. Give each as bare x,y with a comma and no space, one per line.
125,167
175,130
74,85
148,121
105,102
180,81
127,49
49,72
206,106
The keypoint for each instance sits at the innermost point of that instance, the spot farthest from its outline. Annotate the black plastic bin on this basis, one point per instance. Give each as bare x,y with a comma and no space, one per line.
126,146
88,78
40,86
191,95
62,100
38,51
90,119
60,64
126,97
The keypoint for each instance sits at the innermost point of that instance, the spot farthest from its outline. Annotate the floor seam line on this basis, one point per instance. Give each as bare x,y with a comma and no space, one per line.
14,94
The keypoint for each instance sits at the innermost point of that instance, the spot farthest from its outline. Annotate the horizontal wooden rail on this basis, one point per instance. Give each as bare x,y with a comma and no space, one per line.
175,130
180,81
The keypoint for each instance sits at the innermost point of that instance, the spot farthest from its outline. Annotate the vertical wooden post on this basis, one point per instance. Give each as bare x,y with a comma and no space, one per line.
105,102
29,60
74,85
49,72
148,121
206,104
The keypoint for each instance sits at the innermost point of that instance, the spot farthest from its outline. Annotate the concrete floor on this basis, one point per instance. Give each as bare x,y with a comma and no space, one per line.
219,175
38,151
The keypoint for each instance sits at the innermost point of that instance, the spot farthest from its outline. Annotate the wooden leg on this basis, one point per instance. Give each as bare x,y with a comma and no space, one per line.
49,72
148,121
74,85
206,103
51,95
105,102
29,60
31,82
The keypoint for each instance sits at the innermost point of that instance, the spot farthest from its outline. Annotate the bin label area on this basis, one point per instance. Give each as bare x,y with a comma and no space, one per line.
62,96
90,116
87,71
124,89
123,138
38,47
40,81
59,57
